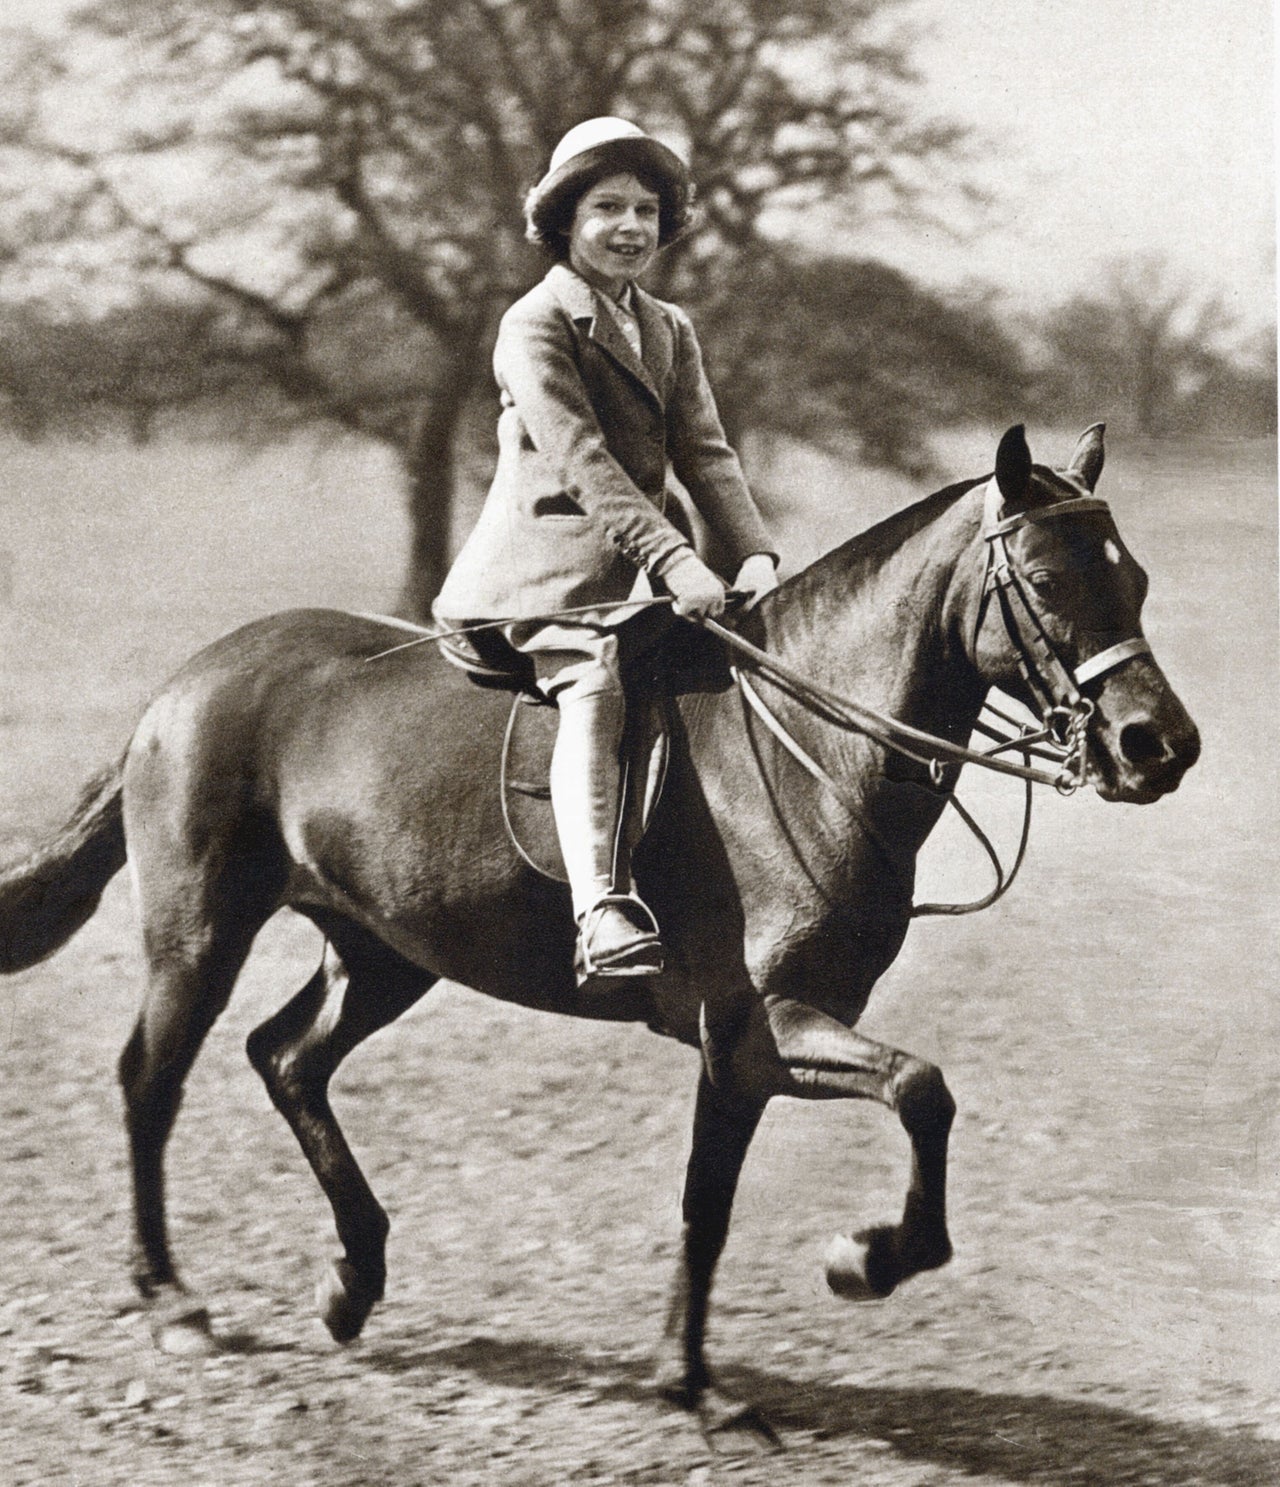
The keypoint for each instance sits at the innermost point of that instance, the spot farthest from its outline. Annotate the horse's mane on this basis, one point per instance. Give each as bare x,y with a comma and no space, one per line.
864,552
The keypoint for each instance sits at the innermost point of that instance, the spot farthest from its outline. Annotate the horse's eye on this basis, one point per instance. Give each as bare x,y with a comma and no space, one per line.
1045,584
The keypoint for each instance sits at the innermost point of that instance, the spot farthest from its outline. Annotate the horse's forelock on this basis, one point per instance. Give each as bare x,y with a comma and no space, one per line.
1055,485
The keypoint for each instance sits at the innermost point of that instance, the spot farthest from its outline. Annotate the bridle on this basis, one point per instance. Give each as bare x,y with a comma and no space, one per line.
1064,713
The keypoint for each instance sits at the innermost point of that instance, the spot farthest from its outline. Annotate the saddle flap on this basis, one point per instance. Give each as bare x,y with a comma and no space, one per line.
526,767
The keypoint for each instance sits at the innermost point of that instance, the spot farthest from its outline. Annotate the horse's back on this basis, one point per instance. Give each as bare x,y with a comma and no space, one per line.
306,706
361,784
304,675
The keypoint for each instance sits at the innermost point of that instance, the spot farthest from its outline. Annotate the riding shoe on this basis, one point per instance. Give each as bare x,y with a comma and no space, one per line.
617,937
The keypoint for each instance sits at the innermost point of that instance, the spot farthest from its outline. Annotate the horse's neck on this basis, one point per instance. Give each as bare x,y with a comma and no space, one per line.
883,618
886,620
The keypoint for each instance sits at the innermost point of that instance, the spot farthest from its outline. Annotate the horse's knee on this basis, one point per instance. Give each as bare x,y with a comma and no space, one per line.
922,1099
290,1053
152,1091
261,1046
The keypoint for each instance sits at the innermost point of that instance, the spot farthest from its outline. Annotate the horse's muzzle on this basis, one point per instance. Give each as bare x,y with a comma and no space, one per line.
1144,755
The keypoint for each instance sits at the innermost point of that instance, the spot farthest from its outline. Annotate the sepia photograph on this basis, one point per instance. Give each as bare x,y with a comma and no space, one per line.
639,806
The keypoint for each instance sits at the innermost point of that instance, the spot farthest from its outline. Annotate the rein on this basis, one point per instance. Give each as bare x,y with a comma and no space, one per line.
576,611
1064,712
798,752
846,713
1062,738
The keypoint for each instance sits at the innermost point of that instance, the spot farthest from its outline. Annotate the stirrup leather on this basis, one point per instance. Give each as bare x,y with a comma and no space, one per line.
639,956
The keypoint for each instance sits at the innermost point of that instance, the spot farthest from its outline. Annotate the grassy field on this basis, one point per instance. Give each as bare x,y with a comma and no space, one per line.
1110,1032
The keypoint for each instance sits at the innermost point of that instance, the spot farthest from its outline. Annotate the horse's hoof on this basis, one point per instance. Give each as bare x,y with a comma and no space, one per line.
343,1303
675,1382
733,1420
860,1266
186,1335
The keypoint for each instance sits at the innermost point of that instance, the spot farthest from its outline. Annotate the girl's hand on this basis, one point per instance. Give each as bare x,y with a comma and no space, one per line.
757,577
697,592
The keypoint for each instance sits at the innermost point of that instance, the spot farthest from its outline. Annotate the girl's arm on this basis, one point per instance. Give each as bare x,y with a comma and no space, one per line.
703,459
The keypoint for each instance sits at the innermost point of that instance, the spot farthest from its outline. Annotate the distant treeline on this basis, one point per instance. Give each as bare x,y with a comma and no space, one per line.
262,217
843,354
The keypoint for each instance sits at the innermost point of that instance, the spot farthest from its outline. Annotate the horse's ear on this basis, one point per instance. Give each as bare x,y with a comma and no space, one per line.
1086,462
1013,468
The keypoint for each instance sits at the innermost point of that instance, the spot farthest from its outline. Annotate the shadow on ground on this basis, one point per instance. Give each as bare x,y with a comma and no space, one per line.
1018,1437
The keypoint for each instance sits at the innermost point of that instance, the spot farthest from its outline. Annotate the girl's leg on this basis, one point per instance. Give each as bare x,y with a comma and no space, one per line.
617,933
586,777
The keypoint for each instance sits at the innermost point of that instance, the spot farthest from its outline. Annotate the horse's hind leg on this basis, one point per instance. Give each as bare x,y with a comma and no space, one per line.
193,963
361,986
825,1060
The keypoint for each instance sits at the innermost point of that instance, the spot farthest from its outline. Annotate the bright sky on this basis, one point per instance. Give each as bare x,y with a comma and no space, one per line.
1116,127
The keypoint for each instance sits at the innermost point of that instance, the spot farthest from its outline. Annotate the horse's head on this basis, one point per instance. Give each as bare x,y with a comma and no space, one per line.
1060,623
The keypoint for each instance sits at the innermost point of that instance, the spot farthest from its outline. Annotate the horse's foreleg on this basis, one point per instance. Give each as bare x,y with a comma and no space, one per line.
722,1132
296,1052
825,1060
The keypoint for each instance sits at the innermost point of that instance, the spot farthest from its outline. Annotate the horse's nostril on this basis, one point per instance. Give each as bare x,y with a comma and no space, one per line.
1141,744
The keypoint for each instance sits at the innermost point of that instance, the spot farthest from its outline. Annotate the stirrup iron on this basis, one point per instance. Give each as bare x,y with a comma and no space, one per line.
640,956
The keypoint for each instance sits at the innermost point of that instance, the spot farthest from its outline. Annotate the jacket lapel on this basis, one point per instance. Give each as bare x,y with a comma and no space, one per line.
581,302
656,339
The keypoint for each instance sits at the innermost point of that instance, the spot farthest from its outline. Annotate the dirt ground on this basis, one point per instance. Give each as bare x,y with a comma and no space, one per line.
1109,1032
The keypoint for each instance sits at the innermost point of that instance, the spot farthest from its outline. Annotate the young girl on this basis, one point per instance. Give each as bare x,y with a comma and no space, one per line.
602,386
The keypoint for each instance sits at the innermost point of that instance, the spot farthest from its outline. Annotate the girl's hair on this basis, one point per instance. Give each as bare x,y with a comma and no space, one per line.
549,206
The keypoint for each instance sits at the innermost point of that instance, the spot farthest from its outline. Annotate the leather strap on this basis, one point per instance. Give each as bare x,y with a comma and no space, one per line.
1113,656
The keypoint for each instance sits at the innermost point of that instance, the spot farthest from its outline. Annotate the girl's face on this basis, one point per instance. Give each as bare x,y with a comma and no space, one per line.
614,233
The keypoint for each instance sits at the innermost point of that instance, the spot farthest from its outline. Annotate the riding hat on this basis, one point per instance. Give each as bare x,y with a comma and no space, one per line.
595,147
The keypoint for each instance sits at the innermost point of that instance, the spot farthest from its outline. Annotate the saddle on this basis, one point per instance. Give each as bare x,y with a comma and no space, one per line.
683,659
526,765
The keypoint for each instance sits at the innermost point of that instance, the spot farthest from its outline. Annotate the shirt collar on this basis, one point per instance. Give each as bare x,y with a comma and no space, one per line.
580,298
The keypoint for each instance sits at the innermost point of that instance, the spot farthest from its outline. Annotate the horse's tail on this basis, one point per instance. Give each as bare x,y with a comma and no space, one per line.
53,891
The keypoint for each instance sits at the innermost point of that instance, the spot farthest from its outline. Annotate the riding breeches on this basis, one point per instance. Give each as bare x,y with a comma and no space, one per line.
578,668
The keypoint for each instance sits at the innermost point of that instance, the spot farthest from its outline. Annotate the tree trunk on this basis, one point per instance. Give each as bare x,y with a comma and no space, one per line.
429,461
142,423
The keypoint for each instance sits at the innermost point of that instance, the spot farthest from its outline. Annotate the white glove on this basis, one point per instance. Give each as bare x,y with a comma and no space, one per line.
697,592
757,577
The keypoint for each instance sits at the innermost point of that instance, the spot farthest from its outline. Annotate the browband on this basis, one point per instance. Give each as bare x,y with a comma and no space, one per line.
1080,506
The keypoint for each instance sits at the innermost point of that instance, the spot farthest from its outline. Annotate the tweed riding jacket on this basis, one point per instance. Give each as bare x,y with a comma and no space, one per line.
578,500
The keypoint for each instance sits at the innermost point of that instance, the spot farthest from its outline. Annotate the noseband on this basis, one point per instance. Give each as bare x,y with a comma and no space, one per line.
1064,710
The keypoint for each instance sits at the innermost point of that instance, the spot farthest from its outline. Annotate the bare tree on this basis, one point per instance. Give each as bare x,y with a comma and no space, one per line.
341,177
1141,346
